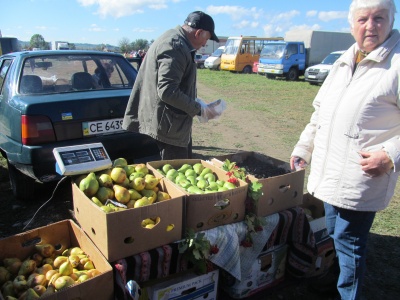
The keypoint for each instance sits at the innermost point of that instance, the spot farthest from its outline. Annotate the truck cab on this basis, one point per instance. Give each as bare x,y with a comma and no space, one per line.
282,59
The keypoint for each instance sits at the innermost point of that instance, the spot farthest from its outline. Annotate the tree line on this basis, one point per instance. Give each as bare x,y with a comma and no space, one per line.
125,45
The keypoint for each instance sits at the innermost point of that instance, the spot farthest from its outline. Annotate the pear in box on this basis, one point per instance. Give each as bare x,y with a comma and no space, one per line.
121,194
138,183
105,180
142,168
118,175
120,162
89,185
151,182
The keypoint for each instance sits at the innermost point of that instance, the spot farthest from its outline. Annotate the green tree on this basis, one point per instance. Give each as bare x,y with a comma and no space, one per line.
140,44
37,41
125,45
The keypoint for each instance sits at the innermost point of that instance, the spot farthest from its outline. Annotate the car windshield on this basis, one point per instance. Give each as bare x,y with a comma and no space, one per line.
217,53
273,51
331,58
70,73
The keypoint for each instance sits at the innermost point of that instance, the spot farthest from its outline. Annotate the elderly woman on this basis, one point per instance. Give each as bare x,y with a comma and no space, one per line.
353,138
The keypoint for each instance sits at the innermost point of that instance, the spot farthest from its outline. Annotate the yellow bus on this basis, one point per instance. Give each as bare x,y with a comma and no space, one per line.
241,52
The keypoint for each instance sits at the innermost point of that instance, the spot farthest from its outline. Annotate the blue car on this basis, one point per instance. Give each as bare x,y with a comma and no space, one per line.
59,98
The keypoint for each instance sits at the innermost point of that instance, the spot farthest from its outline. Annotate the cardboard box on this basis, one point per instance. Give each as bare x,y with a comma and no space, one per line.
315,207
267,271
279,192
201,211
325,247
64,234
120,234
186,286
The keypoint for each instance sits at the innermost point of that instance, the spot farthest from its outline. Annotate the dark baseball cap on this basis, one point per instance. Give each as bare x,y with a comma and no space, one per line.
201,20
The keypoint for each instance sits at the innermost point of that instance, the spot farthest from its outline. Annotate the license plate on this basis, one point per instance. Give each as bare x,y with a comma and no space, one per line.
102,127
312,76
272,71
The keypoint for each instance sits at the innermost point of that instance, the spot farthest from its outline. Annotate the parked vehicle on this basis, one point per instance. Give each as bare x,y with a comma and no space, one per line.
200,59
59,45
255,67
8,44
213,62
51,99
241,52
300,49
317,74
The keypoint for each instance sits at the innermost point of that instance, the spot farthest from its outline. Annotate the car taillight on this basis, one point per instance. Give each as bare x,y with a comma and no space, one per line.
36,130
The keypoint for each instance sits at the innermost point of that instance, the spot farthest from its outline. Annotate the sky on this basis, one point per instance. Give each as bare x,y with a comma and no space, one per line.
111,21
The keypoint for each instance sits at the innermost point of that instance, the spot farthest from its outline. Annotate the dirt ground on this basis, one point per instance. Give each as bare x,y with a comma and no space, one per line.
237,130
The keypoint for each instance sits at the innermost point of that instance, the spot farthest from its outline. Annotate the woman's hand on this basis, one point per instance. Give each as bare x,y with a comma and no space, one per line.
375,163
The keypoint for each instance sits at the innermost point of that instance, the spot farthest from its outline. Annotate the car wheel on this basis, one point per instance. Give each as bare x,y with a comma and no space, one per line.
23,186
292,75
247,70
201,66
271,76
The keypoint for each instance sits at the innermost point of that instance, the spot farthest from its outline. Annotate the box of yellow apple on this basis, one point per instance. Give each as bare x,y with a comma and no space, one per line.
126,210
57,261
211,198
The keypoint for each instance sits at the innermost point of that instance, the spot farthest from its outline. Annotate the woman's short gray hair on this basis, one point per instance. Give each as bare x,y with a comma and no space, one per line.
359,4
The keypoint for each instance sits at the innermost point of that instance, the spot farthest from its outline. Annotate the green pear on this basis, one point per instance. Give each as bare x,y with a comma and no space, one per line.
161,196
184,183
194,190
192,179
220,182
184,167
165,168
142,202
198,167
129,169
150,194
222,189
229,185
89,185
103,194
213,186
142,168
138,183
135,195
202,184
118,175
205,171
30,294
45,250
107,209
121,194
179,177
136,174
63,282
120,162
171,174
190,172
210,177
105,180
5,275
161,172
27,267
151,182
66,268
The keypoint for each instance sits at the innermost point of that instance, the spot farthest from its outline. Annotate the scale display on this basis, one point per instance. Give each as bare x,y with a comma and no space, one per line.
80,159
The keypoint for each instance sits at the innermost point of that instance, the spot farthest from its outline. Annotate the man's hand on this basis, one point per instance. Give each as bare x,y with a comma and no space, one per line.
375,163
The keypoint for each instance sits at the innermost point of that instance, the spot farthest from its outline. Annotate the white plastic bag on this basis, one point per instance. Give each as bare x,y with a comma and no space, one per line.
211,111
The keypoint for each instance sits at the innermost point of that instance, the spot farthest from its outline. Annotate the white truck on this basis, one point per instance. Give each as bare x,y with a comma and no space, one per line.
299,50
59,45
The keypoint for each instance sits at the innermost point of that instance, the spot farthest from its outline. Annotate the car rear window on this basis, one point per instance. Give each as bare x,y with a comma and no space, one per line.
75,73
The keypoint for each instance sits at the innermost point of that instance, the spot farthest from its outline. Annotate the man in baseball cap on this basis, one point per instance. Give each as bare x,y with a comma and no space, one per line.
200,20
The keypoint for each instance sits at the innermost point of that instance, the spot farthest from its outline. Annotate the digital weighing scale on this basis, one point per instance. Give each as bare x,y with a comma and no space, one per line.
81,159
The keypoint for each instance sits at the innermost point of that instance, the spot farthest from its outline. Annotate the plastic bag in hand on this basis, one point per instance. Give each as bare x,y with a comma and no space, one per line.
211,110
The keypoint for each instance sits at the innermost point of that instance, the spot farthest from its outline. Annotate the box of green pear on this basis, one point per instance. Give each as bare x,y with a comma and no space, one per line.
62,235
207,205
124,233
281,190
